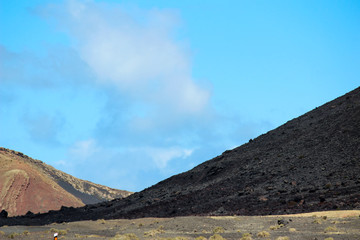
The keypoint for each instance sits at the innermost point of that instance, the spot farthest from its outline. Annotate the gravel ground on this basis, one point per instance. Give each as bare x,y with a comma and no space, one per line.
338,225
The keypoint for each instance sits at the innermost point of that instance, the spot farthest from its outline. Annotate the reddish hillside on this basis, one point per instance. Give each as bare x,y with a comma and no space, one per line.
30,185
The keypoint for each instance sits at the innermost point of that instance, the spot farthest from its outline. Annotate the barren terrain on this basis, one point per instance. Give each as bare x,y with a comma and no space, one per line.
338,225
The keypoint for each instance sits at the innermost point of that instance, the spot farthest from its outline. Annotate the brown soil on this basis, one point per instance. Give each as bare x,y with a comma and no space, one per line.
339,225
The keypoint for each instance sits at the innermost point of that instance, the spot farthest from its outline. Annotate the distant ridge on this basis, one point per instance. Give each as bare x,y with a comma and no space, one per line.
27,184
311,163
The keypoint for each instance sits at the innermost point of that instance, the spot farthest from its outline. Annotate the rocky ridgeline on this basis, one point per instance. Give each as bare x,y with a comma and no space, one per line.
95,192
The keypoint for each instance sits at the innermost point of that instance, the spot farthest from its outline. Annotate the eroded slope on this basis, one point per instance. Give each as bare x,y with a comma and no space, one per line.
31,185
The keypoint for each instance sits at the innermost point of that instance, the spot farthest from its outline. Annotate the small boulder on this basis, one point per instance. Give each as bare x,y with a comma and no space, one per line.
3,214
282,222
29,214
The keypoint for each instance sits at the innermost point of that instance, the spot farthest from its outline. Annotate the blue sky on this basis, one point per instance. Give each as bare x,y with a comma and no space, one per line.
128,93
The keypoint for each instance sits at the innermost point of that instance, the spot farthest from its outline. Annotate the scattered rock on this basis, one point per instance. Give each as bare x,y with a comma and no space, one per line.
3,214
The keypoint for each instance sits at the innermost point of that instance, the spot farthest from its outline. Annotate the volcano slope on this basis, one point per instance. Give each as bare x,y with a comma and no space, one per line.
311,163
31,185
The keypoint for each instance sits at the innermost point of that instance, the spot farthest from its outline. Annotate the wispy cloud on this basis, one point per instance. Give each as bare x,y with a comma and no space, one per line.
135,52
162,156
82,150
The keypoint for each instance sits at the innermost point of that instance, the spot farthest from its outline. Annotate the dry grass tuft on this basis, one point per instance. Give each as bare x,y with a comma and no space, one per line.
216,237
13,235
275,227
127,236
59,231
246,236
263,234
318,221
330,229
154,232
201,238
283,238
218,230
102,221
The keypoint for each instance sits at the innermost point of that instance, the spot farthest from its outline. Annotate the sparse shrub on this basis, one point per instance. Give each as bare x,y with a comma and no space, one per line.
26,232
318,221
2,233
292,230
118,237
246,236
201,238
216,237
13,235
263,234
131,236
59,231
102,221
174,238
329,238
152,233
324,217
160,229
283,238
140,225
275,227
127,236
330,229
63,232
218,230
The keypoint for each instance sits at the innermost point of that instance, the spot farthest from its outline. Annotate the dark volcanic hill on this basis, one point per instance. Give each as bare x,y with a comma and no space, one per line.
311,163
27,184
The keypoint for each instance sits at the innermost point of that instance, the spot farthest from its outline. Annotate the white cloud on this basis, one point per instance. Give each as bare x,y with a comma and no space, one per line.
82,150
162,156
136,52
